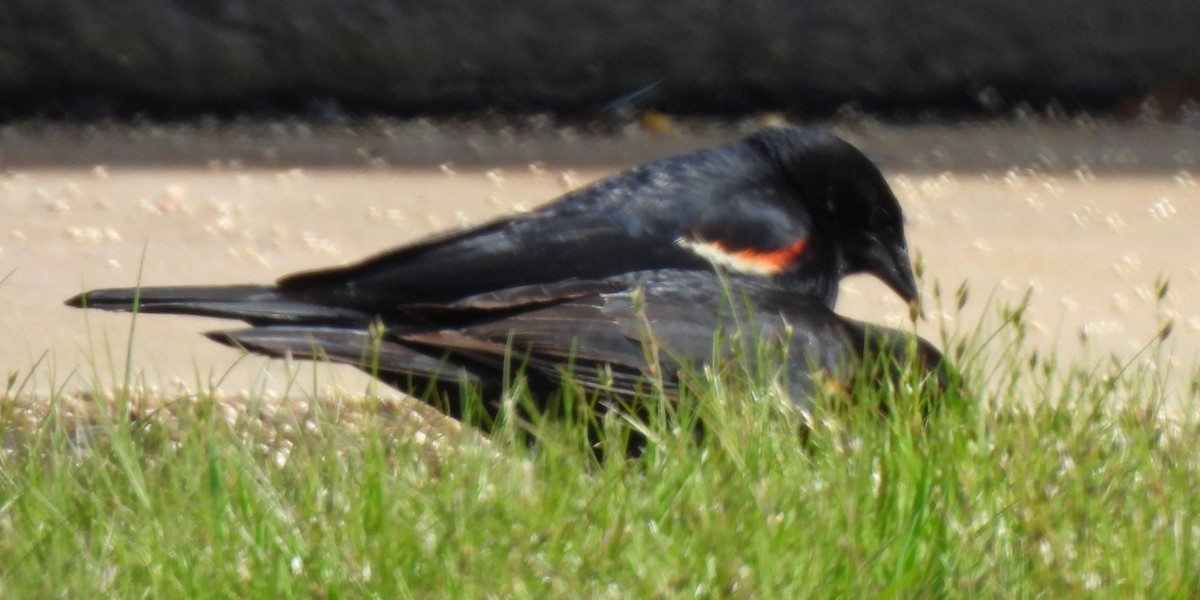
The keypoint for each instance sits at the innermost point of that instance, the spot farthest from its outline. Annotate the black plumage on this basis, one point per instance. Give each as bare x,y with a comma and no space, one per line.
802,206
652,327
594,277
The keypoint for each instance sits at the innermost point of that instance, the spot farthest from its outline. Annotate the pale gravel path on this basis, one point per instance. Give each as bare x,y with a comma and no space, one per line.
1091,242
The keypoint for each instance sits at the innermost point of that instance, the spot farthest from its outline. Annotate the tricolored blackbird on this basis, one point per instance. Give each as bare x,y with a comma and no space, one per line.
796,205
783,214
645,331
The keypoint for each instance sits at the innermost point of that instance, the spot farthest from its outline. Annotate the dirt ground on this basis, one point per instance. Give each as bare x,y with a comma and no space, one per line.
1088,215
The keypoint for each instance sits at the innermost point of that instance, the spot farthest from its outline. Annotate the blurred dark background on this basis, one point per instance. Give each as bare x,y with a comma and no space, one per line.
92,59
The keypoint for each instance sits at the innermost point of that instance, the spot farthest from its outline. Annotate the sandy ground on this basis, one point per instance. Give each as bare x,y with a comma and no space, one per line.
1088,215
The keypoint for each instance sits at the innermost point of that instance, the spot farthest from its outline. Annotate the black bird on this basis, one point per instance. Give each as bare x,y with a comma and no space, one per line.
796,205
786,213
653,326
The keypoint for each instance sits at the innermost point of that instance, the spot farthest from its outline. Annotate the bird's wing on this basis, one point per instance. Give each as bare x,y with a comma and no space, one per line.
721,205
618,340
574,339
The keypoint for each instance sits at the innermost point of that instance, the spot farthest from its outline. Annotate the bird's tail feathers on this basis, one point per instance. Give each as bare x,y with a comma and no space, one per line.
358,347
255,304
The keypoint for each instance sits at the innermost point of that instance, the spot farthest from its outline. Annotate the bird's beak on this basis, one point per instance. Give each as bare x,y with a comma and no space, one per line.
894,267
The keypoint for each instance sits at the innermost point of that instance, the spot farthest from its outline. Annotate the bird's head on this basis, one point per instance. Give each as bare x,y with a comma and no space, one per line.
854,211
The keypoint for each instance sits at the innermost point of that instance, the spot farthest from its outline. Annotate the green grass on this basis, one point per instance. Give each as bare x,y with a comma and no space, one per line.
1044,480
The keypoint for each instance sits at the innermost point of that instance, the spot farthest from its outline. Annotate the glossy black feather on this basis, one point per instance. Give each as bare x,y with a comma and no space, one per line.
598,279
666,323
763,194
256,304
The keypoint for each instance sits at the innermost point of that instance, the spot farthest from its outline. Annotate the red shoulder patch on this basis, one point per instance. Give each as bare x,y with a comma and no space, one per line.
747,260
